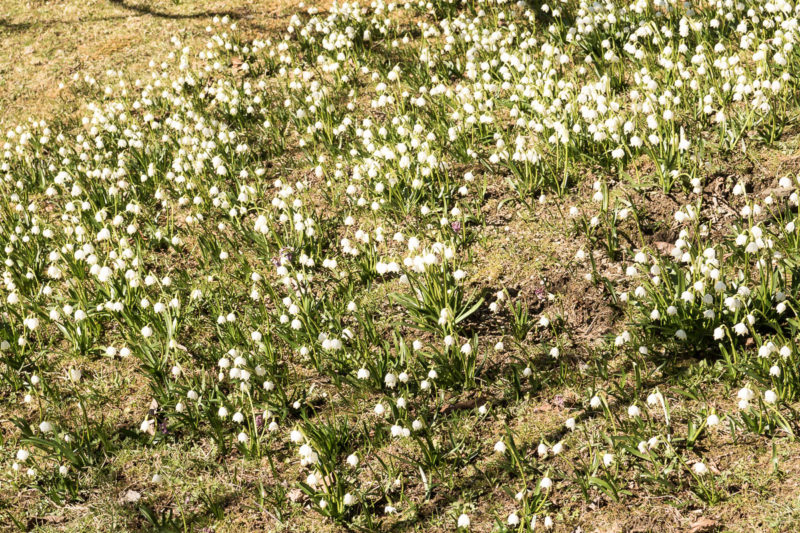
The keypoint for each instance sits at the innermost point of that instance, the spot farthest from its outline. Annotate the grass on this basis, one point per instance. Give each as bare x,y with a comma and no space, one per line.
55,40
300,330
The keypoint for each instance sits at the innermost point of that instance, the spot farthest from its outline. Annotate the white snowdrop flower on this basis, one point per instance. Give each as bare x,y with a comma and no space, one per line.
513,520
743,404
463,521
608,459
712,420
363,374
546,483
379,409
557,448
770,397
22,455
634,411
541,450
699,468
746,394
46,427
305,451
500,447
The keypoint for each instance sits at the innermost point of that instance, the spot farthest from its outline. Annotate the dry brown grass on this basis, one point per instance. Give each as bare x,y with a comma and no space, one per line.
46,42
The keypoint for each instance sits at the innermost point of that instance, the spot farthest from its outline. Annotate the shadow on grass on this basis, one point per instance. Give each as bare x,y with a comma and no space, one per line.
149,11
136,9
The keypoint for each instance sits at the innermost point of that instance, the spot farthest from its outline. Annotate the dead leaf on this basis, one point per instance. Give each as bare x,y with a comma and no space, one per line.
703,525
294,495
664,247
132,496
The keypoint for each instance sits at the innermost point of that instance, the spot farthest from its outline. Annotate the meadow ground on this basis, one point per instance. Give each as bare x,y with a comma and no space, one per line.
436,266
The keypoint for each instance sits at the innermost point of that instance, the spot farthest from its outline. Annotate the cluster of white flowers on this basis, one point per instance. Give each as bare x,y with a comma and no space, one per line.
261,232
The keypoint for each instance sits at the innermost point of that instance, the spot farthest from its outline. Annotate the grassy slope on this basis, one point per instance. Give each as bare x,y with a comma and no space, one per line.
53,40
